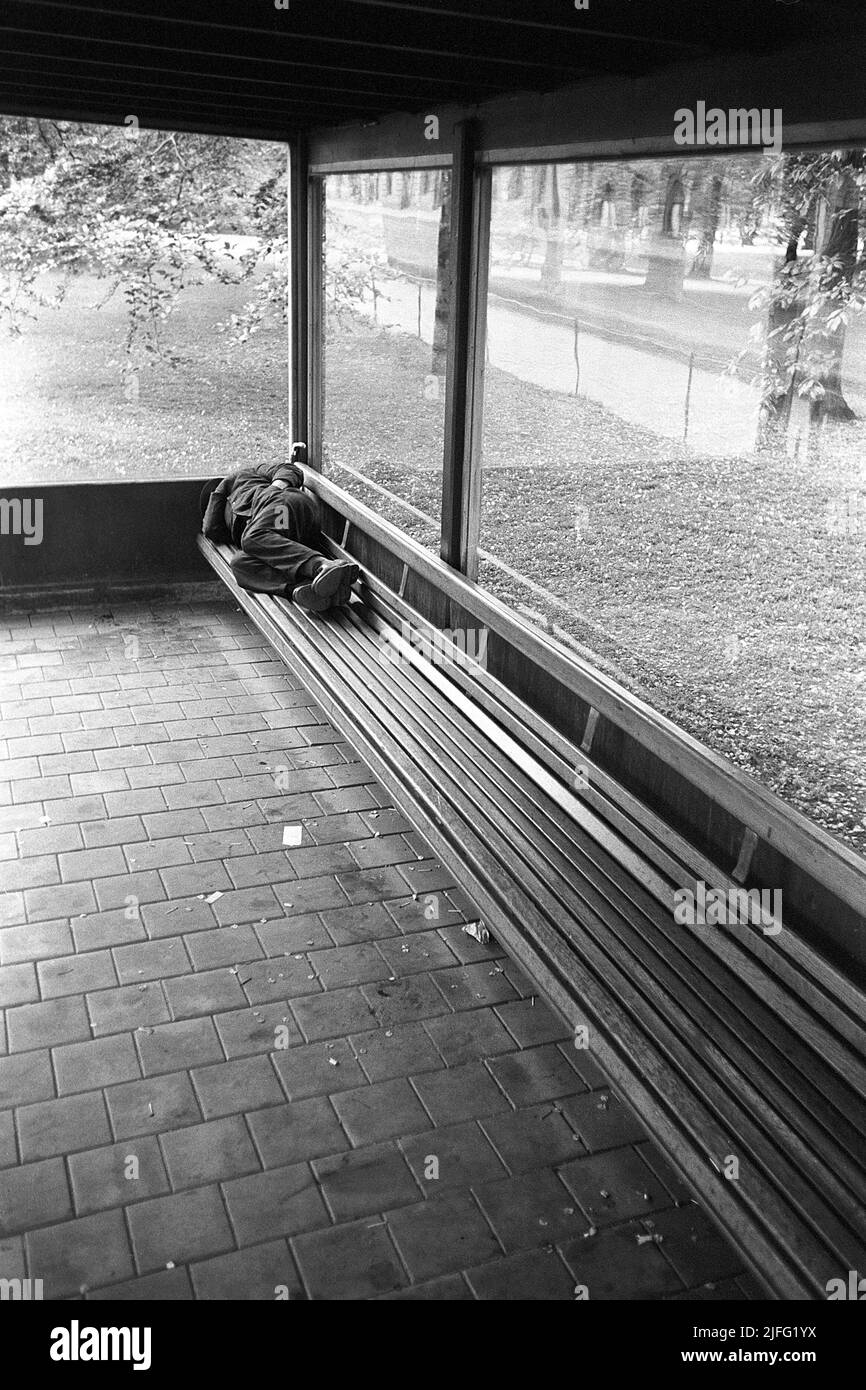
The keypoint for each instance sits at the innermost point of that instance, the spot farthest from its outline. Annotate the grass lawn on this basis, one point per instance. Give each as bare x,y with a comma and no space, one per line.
64,415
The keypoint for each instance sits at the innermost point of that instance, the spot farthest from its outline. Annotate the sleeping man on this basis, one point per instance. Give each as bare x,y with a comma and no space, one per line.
266,513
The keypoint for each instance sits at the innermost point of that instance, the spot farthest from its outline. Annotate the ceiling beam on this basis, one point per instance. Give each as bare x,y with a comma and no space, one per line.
53,110
488,17
374,86
285,65
164,112
352,109
283,33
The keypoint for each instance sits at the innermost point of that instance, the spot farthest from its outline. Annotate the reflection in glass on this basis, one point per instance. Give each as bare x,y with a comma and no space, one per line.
387,241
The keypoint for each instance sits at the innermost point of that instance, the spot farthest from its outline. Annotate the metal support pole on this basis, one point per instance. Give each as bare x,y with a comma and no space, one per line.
468,273
298,308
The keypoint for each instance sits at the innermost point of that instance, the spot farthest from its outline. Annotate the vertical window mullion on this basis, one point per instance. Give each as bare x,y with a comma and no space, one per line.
455,460
475,366
315,319
298,281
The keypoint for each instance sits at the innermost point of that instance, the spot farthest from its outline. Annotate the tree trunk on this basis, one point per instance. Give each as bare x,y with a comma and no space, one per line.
443,283
776,407
702,266
666,253
551,271
515,183
841,250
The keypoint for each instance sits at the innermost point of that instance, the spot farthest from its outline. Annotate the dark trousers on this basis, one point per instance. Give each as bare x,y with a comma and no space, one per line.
278,546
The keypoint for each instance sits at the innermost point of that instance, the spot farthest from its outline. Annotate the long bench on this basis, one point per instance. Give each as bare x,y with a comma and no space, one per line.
572,814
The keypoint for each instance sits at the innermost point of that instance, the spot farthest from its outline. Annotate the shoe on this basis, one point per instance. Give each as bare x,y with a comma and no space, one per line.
344,593
333,580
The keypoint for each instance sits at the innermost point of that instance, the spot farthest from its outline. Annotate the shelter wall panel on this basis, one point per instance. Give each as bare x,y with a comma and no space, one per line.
427,600
374,556
537,688
683,806
812,911
96,534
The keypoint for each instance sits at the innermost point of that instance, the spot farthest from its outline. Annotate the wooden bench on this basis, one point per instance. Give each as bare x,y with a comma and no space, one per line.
572,814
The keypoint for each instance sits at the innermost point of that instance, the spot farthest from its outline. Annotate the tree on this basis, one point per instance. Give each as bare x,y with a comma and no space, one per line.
148,212
442,310
666,250
551,219
838,292
709,191
352,273
816,197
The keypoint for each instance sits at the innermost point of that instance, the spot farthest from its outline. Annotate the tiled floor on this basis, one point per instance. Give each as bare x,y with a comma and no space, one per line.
315,1085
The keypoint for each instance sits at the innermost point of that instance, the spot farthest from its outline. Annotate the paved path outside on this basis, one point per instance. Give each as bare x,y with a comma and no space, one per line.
315,1085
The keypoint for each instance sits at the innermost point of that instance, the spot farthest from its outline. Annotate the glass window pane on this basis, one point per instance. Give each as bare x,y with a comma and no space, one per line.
386,331
674,471
143,325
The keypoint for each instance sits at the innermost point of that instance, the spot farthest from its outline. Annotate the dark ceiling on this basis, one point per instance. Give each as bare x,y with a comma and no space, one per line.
248,67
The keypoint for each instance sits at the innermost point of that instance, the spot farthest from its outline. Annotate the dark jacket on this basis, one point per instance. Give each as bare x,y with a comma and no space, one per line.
233,503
